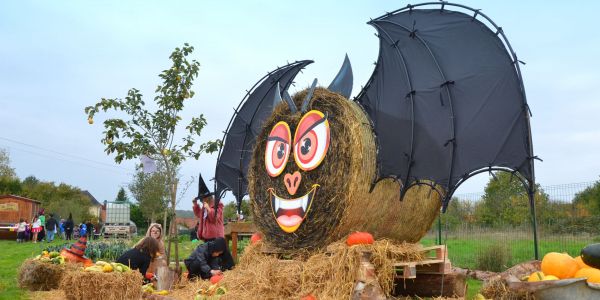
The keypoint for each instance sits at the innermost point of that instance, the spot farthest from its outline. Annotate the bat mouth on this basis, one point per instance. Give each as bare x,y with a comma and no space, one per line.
289,213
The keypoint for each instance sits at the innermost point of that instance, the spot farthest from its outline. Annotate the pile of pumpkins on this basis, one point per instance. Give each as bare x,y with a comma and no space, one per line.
106,267
149,289
51,257
557,266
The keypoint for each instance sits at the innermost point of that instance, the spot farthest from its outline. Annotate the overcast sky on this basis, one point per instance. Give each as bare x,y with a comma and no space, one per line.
59,56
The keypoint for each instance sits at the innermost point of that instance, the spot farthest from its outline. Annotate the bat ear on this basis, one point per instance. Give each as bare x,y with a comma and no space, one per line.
342,83
309,96
288,99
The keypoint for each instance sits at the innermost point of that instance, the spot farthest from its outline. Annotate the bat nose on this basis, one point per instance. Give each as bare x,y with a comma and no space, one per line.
292,182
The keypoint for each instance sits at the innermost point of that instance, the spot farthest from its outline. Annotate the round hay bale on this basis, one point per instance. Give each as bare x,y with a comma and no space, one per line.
336,192
88,285
35,275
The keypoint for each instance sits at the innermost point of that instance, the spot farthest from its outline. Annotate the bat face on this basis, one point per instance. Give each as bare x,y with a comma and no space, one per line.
306,149
296,167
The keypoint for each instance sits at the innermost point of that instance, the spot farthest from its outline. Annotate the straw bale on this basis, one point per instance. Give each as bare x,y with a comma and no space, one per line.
48,295
342,203
80,285
327,274
36,275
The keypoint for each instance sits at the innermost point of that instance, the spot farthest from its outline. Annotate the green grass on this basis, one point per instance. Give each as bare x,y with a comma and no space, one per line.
463,251
12,256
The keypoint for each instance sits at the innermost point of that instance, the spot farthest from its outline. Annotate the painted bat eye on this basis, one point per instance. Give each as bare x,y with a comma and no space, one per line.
278,149
311,140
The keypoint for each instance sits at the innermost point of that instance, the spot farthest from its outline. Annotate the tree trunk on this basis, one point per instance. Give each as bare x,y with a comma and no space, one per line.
174,226
168,236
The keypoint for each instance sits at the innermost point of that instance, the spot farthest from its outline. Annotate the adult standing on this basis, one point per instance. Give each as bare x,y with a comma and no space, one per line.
210,225
42,218
51,226
69,227
90,229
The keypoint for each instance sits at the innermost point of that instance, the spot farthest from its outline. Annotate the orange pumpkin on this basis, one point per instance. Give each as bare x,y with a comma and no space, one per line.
360,238
561,265
88,263
255,238
215,279
592,274
580,262
308,297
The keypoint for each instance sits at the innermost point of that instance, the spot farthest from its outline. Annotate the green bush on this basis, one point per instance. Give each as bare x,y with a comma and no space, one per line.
495,258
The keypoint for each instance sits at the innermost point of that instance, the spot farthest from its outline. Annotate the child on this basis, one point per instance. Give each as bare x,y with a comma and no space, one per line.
82,229
21,231
141,255
207,260
36,227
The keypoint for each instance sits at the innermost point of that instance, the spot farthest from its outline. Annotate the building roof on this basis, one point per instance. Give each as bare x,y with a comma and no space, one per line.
92,199
20,198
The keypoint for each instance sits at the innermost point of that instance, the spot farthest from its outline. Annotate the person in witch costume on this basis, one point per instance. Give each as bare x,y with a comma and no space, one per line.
210,225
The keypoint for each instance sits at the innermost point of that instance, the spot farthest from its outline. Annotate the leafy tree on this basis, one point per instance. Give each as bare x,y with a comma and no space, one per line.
151,193
589,199
152,133
5,169
59,199
10,185
506,202
121,196
459,213
230,210
137,216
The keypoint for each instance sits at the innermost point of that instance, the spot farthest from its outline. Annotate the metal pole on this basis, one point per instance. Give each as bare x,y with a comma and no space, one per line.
531,193
439,237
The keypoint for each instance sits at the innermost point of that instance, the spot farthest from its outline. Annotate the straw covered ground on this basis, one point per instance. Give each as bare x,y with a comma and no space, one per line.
329,274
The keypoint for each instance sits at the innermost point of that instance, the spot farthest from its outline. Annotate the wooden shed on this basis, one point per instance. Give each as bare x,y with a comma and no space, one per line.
13,208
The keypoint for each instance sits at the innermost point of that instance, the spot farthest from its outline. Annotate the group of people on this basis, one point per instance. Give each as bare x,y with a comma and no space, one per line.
38,229
41,228
209,259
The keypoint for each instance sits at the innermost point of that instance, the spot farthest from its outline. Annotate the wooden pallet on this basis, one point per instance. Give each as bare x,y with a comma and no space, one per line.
436,262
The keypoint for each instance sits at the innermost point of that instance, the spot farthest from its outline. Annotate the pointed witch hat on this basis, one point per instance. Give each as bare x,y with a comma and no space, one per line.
78,248
202,188
76,253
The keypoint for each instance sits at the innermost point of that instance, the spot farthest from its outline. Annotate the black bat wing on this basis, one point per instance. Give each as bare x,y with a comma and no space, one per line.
244,127
446,99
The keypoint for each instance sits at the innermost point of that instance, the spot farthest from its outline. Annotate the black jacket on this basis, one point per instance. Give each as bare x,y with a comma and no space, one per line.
69,225
201,261
51,224
136,259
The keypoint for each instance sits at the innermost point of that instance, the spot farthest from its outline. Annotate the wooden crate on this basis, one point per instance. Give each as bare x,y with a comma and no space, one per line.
436,262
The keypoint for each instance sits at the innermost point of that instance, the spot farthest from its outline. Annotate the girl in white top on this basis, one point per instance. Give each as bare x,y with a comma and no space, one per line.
36,226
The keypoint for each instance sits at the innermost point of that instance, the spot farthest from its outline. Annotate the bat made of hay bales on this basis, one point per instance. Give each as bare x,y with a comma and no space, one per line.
445,102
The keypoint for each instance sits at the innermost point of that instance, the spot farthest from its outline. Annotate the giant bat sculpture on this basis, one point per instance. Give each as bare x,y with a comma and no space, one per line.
445,102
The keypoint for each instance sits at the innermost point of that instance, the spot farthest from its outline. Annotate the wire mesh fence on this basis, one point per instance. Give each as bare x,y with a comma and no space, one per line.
496,225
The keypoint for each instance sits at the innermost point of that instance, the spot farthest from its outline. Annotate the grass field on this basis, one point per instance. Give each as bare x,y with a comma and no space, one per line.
464,248
462,251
